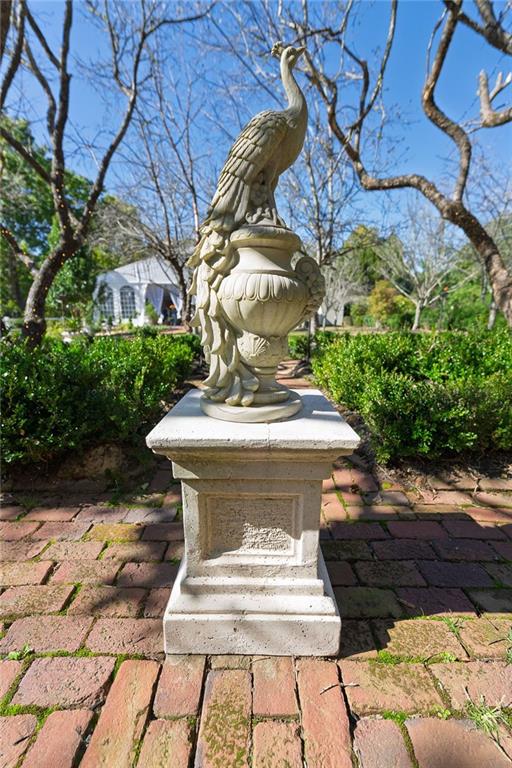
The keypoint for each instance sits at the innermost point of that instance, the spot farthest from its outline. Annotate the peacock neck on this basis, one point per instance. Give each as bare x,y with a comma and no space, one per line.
296,100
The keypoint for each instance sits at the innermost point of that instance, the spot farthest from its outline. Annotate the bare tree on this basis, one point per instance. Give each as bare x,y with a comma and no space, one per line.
421,263
349,127
130,29
344,284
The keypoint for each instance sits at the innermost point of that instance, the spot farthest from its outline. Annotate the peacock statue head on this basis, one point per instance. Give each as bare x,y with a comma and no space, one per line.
287,53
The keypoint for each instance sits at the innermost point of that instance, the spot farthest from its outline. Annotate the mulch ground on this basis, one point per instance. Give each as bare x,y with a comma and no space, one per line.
423,580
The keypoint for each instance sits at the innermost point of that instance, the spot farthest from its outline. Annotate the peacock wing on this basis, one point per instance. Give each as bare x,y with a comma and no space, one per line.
248,156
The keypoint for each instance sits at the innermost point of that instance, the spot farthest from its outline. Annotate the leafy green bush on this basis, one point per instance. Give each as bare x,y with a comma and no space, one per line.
426,394
63,397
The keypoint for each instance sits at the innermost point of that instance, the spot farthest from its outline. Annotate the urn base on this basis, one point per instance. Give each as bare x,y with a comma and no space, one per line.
256,414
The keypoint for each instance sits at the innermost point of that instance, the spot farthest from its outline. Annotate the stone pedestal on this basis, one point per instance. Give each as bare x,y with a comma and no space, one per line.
253,580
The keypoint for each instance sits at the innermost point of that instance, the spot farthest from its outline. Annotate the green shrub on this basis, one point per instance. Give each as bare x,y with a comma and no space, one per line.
63,397
424,394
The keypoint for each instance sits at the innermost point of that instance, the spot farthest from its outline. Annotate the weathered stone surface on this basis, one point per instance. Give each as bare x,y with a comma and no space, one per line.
15,551
454,743
86,572
393,498
108,601
403,549
366,603
469,529
17,574
324,716
15,732
65,682
135,551
46,633
59,740
60,531
9,670
20,601
492,600
417,638
147,515
372,687
123,717
276,745
149,575
142,636
224,731
356,640
486,638
390,573
379,743
273,686
490,679
73,550
433,600
166,744
179,687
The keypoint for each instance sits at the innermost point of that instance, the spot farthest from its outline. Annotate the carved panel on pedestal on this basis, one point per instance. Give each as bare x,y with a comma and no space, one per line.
252,525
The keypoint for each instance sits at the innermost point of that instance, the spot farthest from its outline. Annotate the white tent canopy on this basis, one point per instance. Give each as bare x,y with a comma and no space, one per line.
122,294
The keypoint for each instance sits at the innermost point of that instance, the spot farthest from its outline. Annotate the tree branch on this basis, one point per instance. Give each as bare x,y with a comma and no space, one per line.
490,117
18,252
15,59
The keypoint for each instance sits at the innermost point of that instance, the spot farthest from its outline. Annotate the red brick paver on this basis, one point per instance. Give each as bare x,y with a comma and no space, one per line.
439,744
276,744
9,670
179,688
166,743
46,633
59,740
15,733
372,687
423,587
65,682
380,743
273,687
142,636
324,715
225,720
123,717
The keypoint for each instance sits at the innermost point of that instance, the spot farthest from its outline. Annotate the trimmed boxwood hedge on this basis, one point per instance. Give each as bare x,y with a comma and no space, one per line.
427,394
63,397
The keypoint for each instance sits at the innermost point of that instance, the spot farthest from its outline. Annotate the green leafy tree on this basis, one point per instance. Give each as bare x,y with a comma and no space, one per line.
387,307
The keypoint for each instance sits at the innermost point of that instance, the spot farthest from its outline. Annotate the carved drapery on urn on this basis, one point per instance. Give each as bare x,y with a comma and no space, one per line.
250,289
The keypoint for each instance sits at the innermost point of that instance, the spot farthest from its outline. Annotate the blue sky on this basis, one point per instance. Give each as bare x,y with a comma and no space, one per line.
420,147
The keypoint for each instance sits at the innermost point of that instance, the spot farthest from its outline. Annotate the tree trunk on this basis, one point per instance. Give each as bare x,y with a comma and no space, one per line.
14,282
34,322
491,319
186,301
500,279
417,315
341,316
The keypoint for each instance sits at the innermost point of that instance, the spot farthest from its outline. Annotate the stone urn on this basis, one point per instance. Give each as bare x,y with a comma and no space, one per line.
264,297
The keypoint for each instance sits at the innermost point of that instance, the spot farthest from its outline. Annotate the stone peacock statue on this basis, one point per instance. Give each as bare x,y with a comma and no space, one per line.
266,147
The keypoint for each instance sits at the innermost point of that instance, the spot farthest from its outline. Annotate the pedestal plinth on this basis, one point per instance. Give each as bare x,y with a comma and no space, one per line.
253,579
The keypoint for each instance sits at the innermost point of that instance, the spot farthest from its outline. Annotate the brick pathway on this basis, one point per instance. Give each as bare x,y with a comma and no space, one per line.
424,587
